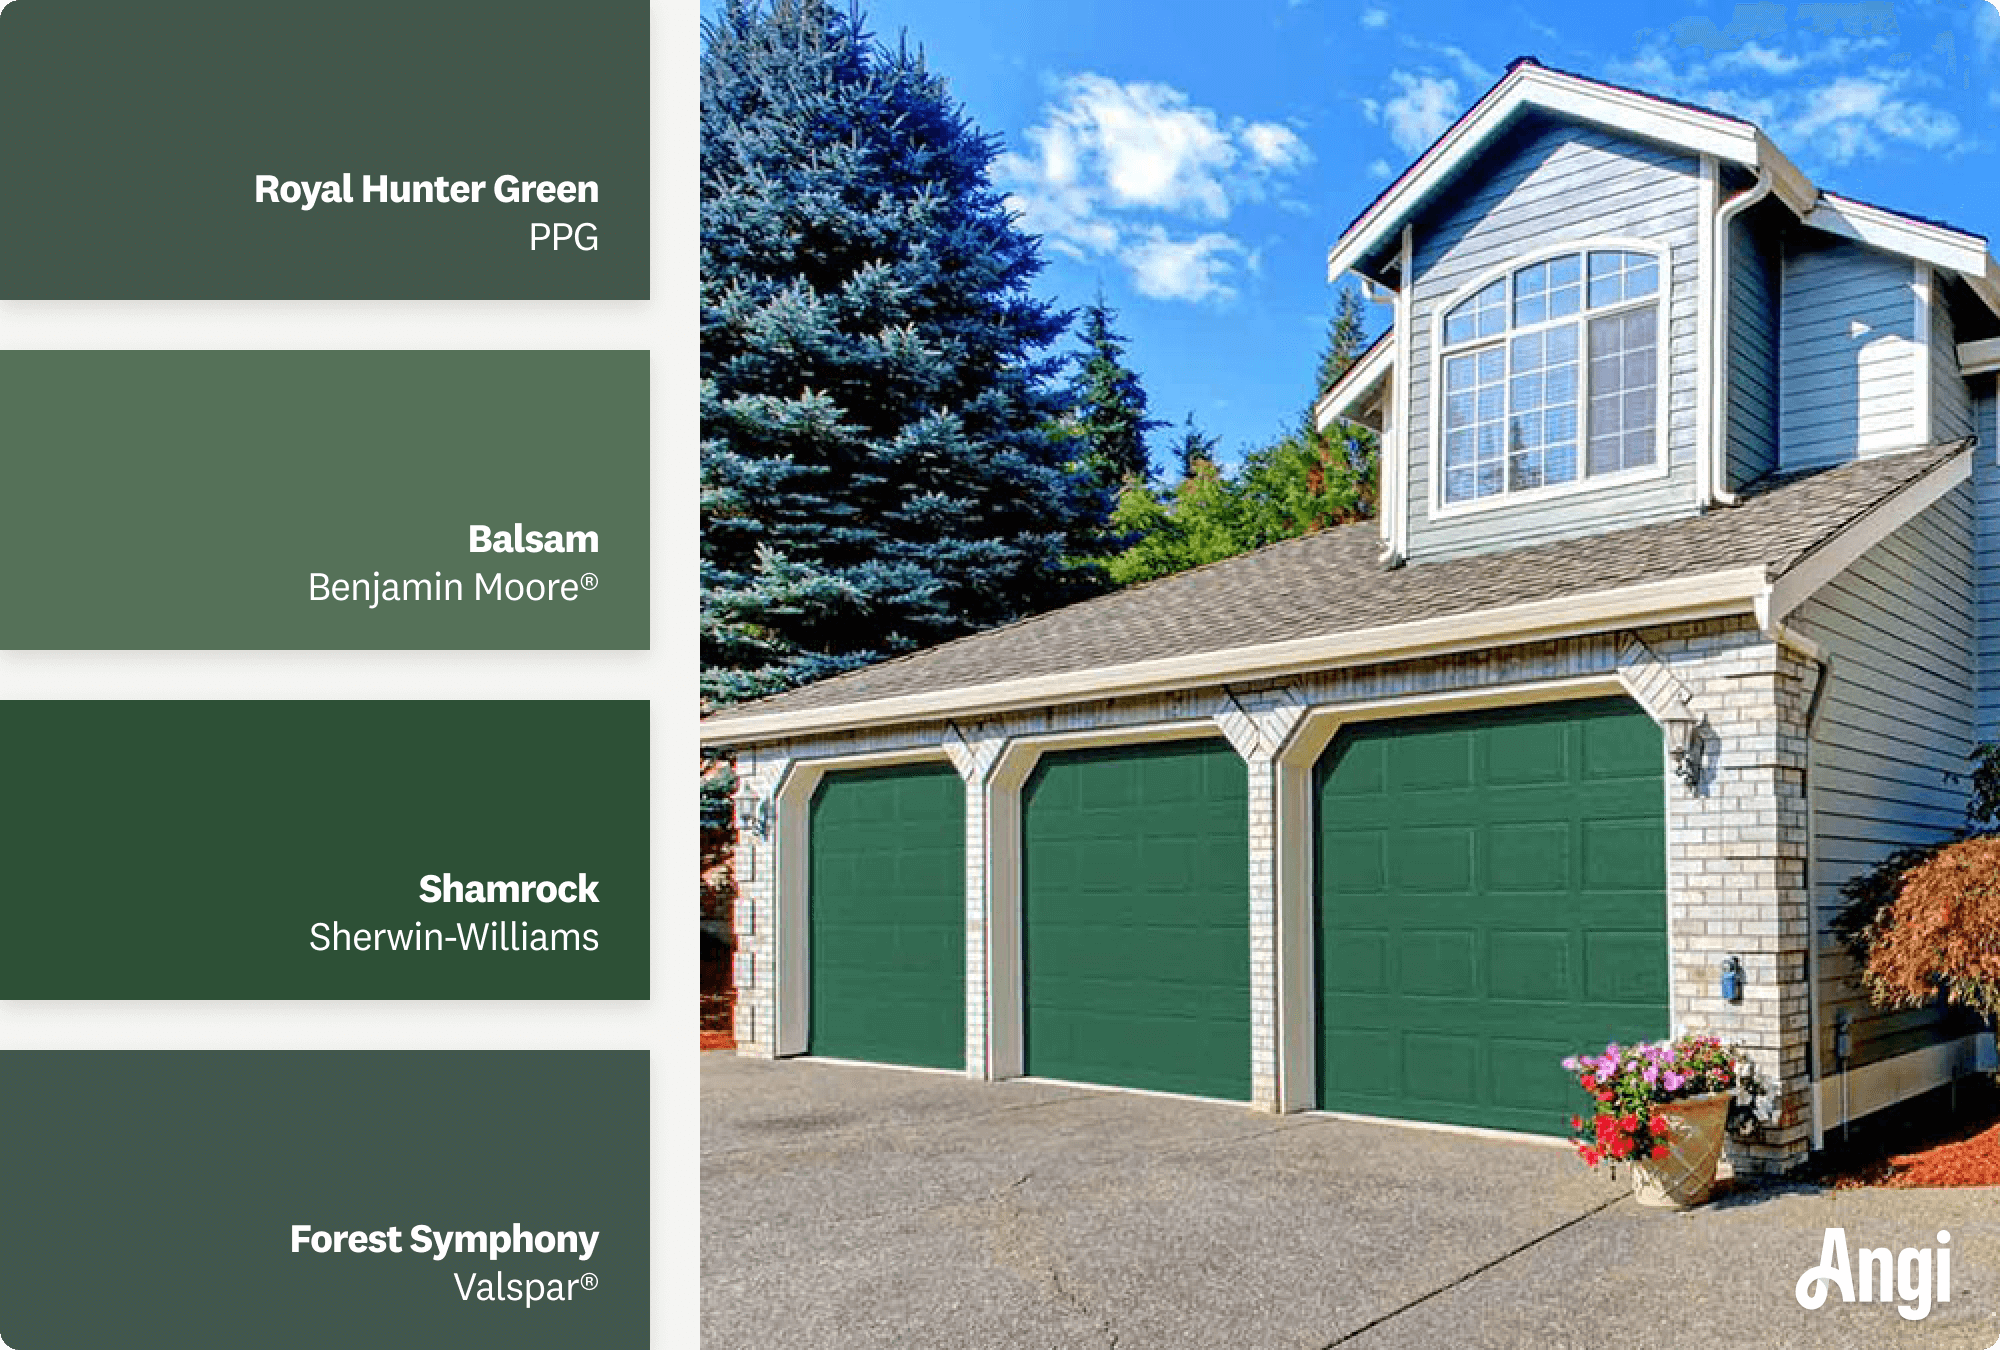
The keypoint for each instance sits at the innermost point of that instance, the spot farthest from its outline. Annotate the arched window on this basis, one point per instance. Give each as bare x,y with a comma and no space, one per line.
1551,375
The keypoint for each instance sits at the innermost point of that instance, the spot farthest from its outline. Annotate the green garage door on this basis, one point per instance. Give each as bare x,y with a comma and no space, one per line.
1492,897
1135,918
887,906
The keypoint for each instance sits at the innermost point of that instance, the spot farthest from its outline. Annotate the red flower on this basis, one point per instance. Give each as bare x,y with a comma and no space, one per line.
1590,1155
1576,1122
1621,1147
1658,1124
1589,1083
1659,1152
1628,1123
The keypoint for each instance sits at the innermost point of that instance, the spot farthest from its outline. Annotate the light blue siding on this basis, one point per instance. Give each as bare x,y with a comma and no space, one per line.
1898,715
1848,357
1951,399
1542,186
1752,387
1986,496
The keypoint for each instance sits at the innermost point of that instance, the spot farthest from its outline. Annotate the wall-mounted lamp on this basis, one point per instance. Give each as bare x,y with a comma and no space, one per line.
753,812
1732,980
1684,746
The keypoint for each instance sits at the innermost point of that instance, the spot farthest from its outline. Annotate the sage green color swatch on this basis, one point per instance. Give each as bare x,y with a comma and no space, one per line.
1135,915
1492,898
148,1199
187,499
188,849
137,132
887,906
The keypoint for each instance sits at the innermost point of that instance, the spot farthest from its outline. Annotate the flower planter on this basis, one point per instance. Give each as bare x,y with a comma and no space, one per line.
1685,1176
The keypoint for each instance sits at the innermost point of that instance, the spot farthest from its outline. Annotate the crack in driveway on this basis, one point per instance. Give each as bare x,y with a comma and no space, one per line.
1472,1274
1018,1244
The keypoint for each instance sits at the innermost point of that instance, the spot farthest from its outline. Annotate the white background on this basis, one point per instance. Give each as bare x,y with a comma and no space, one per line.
667,326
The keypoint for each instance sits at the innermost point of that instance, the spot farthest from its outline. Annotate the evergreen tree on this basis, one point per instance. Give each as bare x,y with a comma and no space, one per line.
1108,404
1195,449
878,469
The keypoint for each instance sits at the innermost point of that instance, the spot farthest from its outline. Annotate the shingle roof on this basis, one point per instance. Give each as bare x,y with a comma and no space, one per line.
1330,583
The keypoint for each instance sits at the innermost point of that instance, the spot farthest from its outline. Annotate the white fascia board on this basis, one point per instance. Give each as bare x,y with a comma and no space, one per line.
1836,555
1353,388
1979,358
1789,183
1676,600
1954,250
1550,91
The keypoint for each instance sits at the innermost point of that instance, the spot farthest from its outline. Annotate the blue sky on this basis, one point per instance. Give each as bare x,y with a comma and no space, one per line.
1196,158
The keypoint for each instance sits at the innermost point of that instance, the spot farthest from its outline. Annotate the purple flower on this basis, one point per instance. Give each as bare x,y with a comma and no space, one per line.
1672,1081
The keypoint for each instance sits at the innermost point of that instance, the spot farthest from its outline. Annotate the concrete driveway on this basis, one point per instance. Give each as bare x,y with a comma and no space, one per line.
853,1207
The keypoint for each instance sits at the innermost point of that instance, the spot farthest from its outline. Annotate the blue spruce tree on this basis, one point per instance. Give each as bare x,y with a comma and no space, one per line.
880,463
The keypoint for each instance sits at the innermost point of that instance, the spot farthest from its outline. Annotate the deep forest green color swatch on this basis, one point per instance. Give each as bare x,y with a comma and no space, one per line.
137,132
201,850
212,500
148,1199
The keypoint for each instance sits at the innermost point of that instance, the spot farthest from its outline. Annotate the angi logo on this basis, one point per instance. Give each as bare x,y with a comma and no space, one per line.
1878,1275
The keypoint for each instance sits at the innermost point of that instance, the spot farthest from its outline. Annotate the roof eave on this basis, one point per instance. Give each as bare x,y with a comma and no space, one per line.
1685,599
1351,393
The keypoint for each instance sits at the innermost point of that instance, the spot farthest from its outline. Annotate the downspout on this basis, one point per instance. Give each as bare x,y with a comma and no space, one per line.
1718,298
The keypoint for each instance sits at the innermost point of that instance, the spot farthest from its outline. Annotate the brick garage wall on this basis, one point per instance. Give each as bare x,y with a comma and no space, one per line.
1736,846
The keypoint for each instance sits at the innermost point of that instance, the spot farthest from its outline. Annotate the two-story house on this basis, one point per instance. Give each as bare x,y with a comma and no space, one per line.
1678,611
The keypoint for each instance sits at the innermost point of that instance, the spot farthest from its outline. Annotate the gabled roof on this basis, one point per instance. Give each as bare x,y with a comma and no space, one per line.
1529,86
1323,601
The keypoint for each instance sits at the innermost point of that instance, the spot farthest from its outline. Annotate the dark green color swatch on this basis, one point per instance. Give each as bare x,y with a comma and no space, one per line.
1492,898
185,850
1135,916
887,904
187,499
137,132
148,1199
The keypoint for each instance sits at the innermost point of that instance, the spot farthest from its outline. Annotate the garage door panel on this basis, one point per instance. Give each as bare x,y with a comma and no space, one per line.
1135,918
1519,914
886,916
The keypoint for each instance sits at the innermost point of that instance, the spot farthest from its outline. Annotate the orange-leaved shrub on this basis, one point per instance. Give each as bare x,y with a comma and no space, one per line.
1939,933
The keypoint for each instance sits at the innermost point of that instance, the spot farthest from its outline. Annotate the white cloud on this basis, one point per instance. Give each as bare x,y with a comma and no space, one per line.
1374,16
1833,100
1986,29
1756,56
1380,168
1421,108
1166,268
1112,168
1275,146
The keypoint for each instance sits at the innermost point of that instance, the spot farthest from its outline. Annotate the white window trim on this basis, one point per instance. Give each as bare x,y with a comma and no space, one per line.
1584,481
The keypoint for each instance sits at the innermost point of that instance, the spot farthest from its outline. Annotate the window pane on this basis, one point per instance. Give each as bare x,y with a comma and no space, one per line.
1492,365
1643,279
1638,448
1526,392
1491,405
1639,410
1530,309
1490,479
1531,280
1458,485
1560,386
1524,472
1565,270
1561,424
1561,343
1458,329
1527,352
1526,432
1559,464
1604,455
1457,409
1605,264
1604,416
1564,301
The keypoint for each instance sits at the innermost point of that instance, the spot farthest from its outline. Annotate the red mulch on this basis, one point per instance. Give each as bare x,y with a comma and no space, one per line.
1965,1162
718,1040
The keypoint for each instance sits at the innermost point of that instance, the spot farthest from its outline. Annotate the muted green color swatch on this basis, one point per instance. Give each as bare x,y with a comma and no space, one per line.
1136,918
137,132
1492,898
147,1199
188,499
887,927
186,850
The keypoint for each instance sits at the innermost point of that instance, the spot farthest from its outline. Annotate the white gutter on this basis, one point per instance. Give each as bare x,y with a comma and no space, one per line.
1715,463
1675,600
